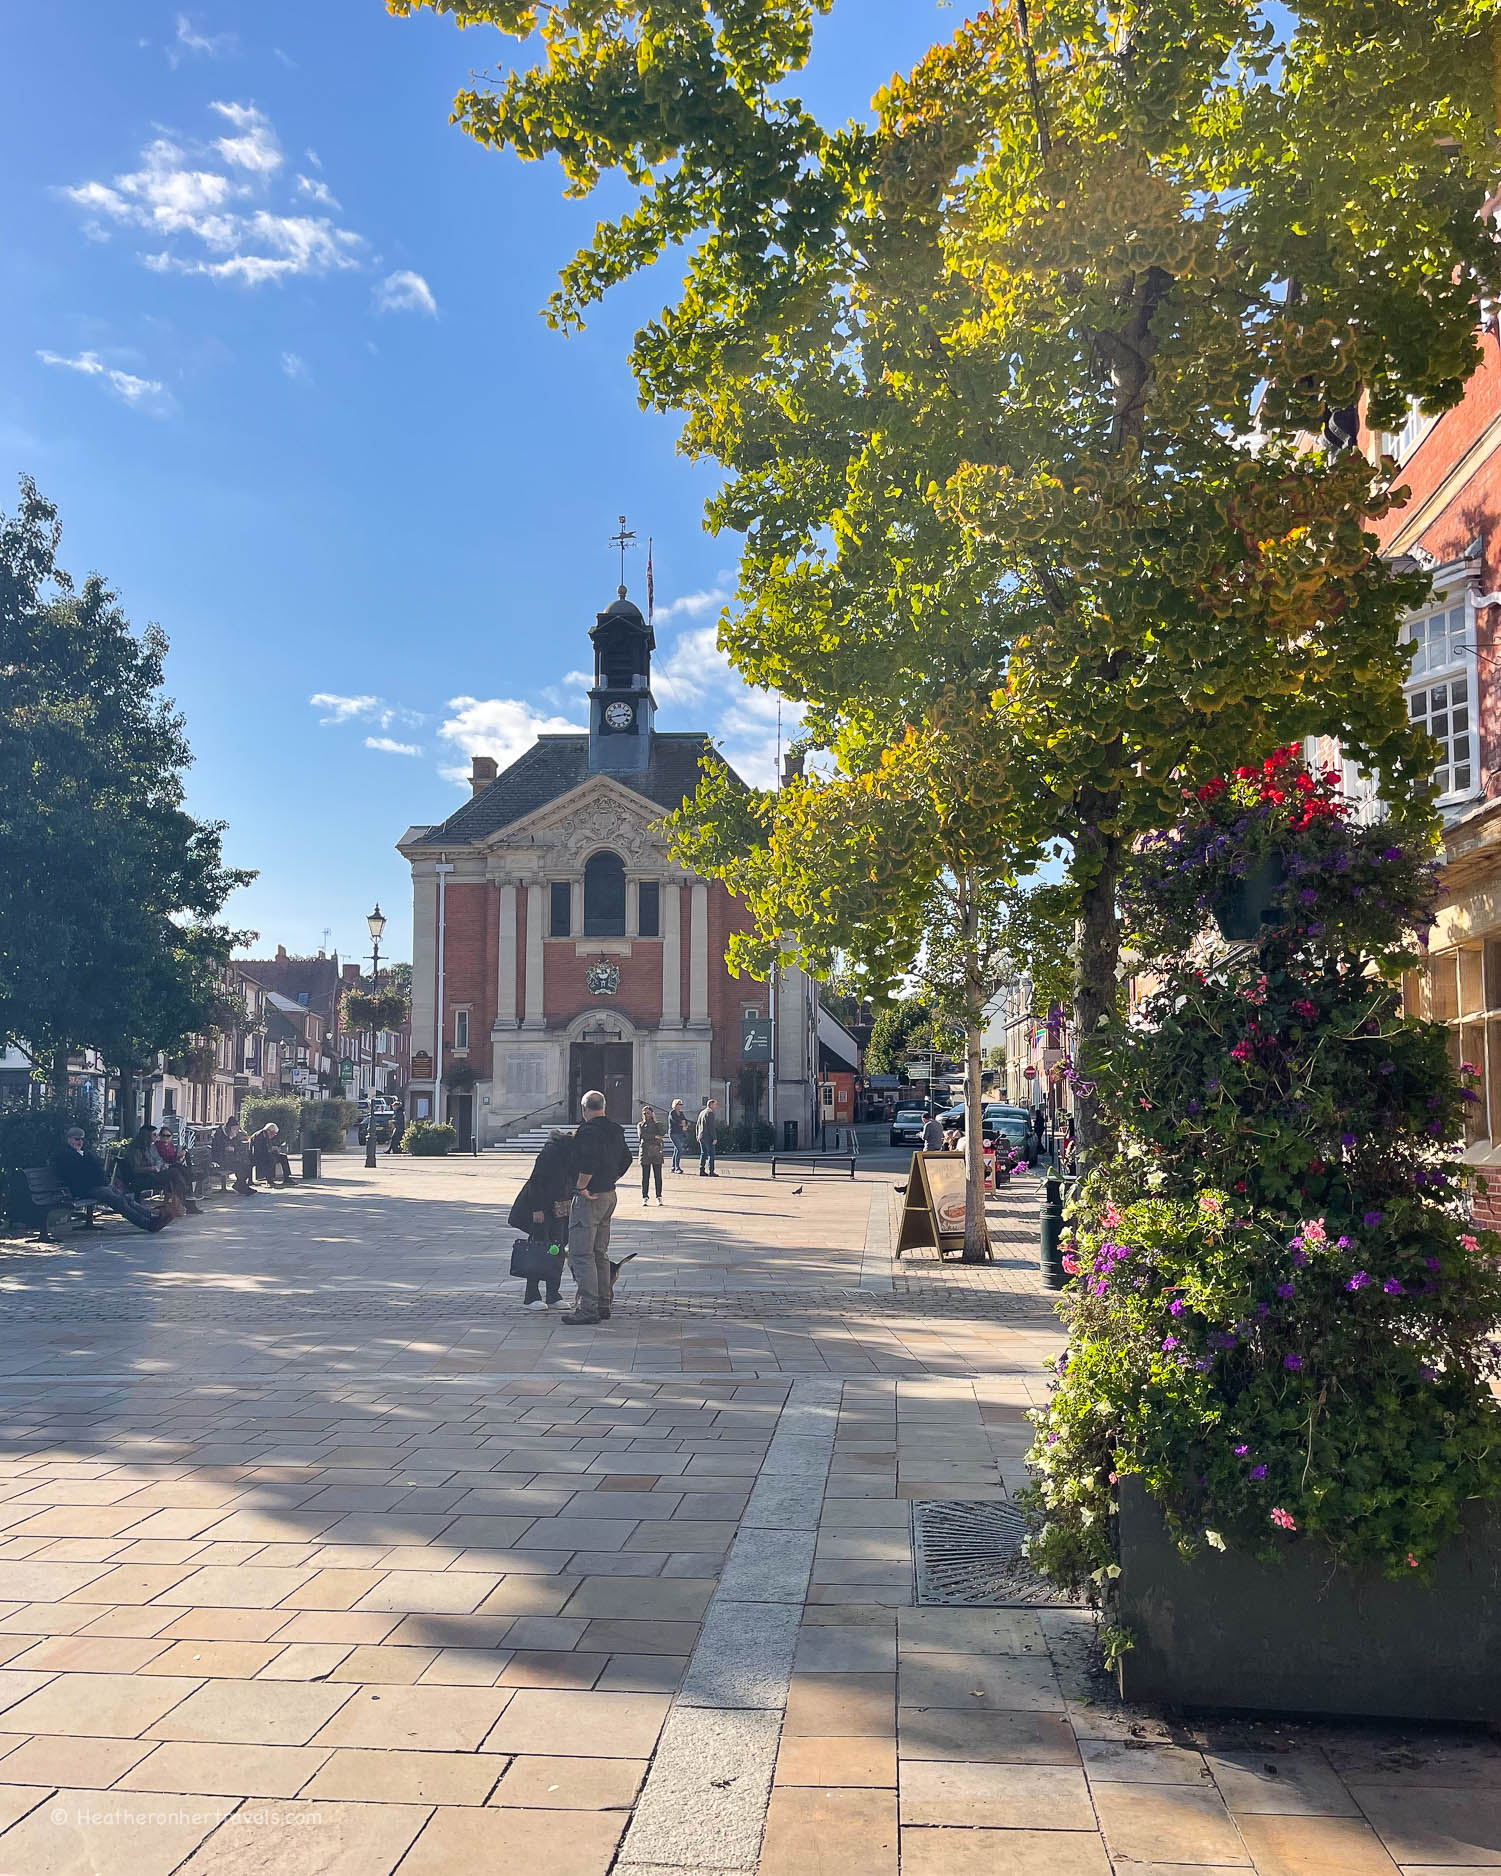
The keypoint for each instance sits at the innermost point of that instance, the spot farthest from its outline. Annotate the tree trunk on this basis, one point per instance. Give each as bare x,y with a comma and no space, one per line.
1095,988
976,1231
127,1103
59,1077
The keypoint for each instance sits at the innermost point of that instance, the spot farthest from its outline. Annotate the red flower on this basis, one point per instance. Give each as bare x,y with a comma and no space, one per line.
1245,775
1211,791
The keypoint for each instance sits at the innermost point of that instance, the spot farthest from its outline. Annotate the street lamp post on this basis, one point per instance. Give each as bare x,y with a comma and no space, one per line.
377,925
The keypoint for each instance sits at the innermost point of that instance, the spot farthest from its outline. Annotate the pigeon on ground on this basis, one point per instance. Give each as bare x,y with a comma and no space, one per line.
796,1190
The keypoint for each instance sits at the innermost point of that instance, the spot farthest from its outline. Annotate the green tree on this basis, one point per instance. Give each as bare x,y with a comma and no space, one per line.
901,1030
109,937
1014,384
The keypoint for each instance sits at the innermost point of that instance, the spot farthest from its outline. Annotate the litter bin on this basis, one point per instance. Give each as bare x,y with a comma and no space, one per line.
312,1162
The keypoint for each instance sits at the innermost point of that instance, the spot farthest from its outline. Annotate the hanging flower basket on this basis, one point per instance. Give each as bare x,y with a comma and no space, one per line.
458,1077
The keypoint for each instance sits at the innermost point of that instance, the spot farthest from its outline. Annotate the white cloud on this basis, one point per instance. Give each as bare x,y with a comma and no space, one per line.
578,680
698,688
503,727
318,192
294,366
191,39
256,148
141,393
207,217
385,744
362,709
405,292
693,605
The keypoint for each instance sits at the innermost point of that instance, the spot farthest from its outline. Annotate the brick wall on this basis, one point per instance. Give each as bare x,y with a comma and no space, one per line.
471,929
566,992
1473,509
728,996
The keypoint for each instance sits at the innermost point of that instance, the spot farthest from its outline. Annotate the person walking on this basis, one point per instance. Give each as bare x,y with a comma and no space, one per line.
677,1133
541,1211
398,1127
933,1138
81,1174
652,1135
602,1158
708,1136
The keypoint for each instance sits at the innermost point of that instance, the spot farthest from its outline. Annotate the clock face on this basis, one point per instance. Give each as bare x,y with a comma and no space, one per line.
620,716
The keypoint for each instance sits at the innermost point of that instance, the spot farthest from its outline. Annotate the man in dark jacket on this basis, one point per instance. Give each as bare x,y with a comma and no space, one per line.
708,1138
230,1150
82,1174
541,1209
602,1158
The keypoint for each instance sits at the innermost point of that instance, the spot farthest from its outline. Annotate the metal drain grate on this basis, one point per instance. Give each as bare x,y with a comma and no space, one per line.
969,1553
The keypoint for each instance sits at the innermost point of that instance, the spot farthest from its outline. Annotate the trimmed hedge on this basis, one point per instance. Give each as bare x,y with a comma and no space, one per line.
325,1123
284,1109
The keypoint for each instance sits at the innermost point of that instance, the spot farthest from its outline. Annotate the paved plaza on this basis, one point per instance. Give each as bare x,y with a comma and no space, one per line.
320,1554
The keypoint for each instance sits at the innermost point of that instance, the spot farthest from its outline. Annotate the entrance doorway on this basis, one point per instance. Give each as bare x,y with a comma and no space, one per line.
602,1065
461,1118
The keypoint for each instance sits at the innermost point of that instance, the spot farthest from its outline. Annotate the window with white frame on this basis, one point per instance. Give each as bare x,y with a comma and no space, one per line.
1441,689
461,1029
1400,444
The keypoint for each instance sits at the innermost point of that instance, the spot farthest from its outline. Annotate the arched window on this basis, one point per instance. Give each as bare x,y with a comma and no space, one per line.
604,896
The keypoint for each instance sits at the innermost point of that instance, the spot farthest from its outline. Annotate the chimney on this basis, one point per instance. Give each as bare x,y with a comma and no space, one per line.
485,770
792,768
281,954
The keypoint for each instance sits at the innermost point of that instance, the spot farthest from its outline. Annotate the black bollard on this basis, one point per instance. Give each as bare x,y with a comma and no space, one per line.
1050,1236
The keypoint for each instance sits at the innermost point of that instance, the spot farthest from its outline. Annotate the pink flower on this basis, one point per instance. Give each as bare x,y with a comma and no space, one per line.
1313,1231
1071,1264
1241,1052
1208,1203
1469,1243
1412,1562
1468,1068
1110,1217
1284,1520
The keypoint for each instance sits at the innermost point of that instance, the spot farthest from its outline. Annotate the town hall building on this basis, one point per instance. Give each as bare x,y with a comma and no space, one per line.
557,946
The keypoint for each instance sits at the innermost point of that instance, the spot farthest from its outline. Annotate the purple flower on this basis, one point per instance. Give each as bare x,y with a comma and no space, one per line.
1392,1287
1258,1472
1202,1366
1169,1341
1387,1068
1358,1281
1222,1339
1347,1139
1391,853
1241,1451
1300,1258
1433,1263
1286,1290
1428,1374
1294,1362
1371,1218
1295,1244
1176,1307
1343,1244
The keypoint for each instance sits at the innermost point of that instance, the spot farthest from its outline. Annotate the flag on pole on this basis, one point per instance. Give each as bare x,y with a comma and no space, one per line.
651,584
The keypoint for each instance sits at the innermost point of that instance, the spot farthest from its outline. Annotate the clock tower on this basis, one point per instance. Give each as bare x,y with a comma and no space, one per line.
621,706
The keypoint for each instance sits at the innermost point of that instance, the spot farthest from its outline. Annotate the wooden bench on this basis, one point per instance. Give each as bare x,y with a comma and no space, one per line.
198,1143
36,1193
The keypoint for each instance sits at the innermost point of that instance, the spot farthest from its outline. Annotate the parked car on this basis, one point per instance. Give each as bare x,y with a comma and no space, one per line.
1013,1124
906,1129
383,1119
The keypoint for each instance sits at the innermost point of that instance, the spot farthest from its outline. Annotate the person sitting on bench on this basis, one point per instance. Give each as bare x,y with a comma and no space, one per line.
82,1174
267,1157
231,1151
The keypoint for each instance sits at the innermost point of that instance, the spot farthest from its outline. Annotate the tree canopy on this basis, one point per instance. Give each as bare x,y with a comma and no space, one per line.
109,933
1018,386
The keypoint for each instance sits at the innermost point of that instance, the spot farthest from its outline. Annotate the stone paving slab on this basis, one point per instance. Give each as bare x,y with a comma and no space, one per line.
319,1553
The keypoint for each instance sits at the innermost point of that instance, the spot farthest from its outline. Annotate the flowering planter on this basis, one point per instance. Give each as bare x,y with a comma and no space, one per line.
1303,1636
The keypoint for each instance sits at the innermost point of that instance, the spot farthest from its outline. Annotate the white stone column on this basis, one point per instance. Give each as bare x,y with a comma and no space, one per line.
698,955
632,910
505,987
536,910
576,917
672,956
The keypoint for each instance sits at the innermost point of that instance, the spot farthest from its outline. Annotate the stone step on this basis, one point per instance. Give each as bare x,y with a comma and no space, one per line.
535,1138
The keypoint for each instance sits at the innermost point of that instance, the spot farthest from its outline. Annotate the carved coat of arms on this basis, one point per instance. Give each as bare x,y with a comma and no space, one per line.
603,978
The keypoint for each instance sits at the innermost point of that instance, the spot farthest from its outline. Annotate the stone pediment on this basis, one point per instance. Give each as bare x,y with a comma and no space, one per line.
598,813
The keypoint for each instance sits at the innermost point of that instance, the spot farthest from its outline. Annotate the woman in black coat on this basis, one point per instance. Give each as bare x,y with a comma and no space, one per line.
541,1210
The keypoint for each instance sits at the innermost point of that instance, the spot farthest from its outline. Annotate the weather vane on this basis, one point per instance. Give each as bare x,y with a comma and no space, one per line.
622,540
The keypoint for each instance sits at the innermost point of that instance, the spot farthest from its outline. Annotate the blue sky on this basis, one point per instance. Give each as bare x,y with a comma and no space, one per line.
269,336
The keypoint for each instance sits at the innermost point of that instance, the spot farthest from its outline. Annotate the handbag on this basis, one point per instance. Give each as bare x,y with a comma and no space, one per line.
535,1257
